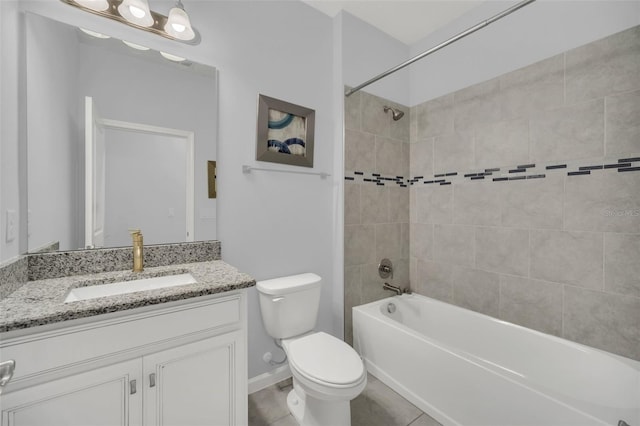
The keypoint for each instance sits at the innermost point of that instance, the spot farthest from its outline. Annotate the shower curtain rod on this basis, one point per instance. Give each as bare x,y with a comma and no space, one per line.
440,46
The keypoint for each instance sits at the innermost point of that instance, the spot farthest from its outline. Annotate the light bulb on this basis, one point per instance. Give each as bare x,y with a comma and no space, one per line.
137,12
97,5
178,24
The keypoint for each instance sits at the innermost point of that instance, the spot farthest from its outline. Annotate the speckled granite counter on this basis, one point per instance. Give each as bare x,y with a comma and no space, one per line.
42,302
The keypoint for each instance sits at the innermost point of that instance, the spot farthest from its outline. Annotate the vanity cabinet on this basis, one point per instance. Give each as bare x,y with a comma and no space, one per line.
178,364
100,397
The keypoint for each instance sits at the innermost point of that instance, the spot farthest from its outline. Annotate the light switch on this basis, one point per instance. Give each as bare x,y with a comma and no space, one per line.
10,234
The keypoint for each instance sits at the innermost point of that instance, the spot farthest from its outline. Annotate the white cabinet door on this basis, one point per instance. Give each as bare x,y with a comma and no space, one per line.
101,397
195,384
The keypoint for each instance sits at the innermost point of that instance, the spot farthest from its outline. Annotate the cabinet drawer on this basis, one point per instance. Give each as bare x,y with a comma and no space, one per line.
81,344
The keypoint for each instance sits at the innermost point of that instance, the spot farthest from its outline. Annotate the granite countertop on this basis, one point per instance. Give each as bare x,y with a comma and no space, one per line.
42,302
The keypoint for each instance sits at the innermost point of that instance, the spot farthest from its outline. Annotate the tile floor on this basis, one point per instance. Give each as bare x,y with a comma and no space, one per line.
377,405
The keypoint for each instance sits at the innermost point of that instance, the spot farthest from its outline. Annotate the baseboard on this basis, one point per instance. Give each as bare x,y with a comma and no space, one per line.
269,378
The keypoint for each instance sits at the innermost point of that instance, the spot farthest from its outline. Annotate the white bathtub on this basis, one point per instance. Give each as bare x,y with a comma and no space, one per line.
465,368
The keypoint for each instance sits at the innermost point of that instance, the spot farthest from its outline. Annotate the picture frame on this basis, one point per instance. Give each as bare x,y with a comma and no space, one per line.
285,132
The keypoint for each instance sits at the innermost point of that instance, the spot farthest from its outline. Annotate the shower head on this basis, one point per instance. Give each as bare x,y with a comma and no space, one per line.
397,114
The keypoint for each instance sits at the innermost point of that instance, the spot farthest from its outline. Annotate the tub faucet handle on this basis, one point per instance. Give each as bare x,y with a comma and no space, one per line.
385,269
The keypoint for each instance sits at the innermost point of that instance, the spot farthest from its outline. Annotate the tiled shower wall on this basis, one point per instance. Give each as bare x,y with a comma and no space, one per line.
376,213
551,240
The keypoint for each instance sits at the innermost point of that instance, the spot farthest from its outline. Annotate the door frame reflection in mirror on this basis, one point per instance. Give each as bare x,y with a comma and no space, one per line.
90,184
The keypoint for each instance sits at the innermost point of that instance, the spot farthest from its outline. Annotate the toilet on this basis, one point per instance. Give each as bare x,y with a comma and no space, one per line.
327,372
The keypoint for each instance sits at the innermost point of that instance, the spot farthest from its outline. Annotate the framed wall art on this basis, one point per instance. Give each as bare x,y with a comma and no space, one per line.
285,132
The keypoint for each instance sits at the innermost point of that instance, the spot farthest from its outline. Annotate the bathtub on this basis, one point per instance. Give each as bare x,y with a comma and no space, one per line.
465,368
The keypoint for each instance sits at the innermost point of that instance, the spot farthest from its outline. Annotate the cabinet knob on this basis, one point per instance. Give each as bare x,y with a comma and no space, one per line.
6,372
152,380
132,387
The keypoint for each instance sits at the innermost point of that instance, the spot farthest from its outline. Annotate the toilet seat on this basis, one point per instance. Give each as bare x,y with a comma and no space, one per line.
325,360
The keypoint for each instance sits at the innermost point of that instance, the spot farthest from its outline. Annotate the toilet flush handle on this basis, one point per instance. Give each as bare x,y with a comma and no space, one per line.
277,299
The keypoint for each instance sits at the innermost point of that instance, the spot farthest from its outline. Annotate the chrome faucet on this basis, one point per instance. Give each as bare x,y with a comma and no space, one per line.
390,287
138,258
397,289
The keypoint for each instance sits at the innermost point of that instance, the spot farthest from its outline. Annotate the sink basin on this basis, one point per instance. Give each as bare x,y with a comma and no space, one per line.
125,287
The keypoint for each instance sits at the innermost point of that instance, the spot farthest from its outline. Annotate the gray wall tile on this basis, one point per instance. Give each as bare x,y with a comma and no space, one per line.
413,124
536,87
352,297
374,119
453,244
568,133
389,241
623,123
476,290
353,111
531,303
568,257
372,284
434,204
352,203
605,201
477,203
604,67
504,143
359,244
477,105
503,250
622,263
399,129
421,158
391,158
359,151
405,235
535,203
400,273
435,117
603,320
421,241
398,204
413,211
453,152
374,202
435,280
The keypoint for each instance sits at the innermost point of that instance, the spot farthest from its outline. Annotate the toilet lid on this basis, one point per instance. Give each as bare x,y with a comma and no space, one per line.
323,357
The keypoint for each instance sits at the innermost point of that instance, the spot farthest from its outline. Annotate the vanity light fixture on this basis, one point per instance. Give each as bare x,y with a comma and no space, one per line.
136,13
178,24
97,5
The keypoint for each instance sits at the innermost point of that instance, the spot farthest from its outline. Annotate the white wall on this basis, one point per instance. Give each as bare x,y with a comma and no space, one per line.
270,224
535,32
367,52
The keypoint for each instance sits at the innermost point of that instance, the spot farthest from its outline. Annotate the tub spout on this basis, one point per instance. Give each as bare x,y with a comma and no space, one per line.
390,287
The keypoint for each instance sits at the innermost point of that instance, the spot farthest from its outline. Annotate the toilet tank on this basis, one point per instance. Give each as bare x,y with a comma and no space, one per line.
289,305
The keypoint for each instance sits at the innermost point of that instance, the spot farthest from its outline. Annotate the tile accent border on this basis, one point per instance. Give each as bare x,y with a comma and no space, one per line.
498,174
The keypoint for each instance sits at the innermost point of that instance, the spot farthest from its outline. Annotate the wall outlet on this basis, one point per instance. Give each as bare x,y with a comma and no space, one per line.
11,219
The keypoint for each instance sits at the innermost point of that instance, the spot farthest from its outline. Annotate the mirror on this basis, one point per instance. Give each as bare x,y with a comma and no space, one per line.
155,120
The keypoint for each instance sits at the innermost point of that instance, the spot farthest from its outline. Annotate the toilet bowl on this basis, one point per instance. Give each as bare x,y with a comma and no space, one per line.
327,375
327,372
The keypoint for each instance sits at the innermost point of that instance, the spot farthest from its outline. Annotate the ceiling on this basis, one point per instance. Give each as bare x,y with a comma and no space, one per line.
406,20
